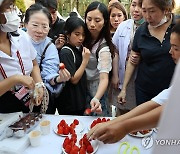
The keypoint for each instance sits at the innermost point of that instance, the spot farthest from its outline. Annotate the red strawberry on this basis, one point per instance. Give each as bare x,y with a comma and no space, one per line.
86,142
85,136
73,125
71,130
81,142
82,151
95,121
89,149
76,122
103,119
74,150
87,111
98,120
68,148
66,142
66,130
62,122
92,125
61,66
60,130
74,139
74,135
108,119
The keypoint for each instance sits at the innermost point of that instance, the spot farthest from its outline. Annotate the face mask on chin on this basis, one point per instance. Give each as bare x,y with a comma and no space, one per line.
140,22
163,21
12,22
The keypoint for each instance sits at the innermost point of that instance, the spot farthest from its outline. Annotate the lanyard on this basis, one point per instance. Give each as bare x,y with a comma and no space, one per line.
20,62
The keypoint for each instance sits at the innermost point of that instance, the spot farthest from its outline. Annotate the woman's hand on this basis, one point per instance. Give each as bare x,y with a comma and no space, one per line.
26,81
95,105
60,41
107,132
134,58
122,97
39,96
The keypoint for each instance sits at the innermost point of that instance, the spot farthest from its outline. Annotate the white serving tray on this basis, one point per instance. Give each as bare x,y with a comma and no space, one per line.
12,145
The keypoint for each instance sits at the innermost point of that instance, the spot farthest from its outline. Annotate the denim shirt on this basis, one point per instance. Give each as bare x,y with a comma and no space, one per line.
50,64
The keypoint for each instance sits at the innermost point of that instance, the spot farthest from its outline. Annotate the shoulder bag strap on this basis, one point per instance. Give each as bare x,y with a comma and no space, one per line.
99,48
66,47
43,55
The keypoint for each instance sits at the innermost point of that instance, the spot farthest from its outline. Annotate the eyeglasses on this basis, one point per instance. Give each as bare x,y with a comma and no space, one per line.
44,27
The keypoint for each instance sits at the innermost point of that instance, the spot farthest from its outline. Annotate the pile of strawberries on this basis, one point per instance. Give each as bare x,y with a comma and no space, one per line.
98,120
84,147
65,129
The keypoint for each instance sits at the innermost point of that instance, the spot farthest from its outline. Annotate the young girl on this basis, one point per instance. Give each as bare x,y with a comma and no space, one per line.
37,22
72,99
98,40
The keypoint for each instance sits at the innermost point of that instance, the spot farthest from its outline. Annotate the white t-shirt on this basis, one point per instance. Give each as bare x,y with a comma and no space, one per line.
168,136
27,52
162,97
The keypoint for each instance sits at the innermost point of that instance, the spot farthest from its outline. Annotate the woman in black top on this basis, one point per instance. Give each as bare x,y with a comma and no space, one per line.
152,42
72,99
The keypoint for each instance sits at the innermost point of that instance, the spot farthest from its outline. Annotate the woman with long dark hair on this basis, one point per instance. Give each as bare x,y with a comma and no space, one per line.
98,41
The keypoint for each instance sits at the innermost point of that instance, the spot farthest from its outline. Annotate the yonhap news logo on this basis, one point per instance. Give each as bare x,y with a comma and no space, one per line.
167,142
148,142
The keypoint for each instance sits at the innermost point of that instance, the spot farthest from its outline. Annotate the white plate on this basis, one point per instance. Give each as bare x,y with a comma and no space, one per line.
94,143
141,135
79,128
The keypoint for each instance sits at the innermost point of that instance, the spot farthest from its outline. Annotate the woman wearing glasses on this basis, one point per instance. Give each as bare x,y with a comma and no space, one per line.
37,22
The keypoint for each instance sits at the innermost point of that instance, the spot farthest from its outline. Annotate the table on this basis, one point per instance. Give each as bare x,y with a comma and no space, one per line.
52,143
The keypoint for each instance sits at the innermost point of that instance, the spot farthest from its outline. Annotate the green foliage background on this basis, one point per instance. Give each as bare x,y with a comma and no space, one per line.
66,6
21,5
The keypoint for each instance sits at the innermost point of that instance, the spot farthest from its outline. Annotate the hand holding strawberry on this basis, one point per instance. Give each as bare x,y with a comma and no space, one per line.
61,66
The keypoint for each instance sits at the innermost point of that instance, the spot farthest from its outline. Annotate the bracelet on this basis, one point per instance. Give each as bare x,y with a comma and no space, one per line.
95,99
39,85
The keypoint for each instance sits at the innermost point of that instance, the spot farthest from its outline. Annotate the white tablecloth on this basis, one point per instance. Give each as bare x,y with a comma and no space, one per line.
52,143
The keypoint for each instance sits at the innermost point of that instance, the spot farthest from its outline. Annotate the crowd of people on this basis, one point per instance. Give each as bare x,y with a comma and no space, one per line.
110,57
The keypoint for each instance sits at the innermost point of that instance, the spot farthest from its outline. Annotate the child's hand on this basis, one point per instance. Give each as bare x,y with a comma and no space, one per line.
86,54
64,75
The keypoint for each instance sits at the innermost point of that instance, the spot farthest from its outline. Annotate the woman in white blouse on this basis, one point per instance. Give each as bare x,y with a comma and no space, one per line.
18,67
98,40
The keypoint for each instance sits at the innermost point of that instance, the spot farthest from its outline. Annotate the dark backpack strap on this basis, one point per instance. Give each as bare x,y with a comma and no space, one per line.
43,55
99,48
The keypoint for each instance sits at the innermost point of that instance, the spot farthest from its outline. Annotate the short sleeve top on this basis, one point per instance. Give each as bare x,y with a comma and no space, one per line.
11,64
102,65
156,67
162,97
